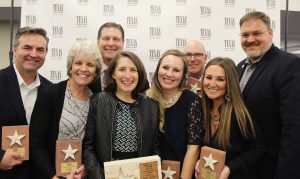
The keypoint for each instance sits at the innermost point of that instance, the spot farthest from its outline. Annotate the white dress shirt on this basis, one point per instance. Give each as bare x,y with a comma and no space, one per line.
28,93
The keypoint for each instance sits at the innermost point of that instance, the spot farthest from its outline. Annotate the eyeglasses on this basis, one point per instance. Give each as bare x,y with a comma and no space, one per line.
254,34
195,55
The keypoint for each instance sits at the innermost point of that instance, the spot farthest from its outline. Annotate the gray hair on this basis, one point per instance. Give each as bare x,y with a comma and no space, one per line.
87,49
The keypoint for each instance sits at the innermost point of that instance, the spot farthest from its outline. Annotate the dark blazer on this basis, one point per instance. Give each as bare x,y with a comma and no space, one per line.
272,95
100,127
44,129
242,155
12,112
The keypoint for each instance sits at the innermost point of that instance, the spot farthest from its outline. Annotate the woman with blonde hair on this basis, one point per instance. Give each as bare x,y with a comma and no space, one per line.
227,123
180,112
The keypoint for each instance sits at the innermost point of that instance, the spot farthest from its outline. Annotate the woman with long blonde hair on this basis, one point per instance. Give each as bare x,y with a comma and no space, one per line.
180,112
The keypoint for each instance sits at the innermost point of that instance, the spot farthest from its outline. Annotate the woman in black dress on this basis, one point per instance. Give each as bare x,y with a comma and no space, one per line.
227,123
180,112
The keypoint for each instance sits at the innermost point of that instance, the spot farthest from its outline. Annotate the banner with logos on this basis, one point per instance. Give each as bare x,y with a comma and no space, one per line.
151,26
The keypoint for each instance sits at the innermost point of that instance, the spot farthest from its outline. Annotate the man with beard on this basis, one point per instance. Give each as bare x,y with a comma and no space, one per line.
270,82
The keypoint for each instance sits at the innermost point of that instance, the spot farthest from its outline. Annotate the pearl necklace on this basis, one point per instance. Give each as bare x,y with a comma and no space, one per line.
171,100
214,120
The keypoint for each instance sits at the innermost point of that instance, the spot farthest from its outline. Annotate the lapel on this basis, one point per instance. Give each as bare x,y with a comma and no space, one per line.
14,94
260,67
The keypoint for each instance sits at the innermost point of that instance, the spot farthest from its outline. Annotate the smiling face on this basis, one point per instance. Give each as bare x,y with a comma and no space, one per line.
126,76
256,38
214,83
110,43
30,53
170,73
196,58
83,70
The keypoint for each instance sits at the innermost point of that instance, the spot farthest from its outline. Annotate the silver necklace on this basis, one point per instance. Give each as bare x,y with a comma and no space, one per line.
171,100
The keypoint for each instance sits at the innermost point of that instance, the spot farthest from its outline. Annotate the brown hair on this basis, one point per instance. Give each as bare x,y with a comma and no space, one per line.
111,85
256,15
109,25
234,104
31,30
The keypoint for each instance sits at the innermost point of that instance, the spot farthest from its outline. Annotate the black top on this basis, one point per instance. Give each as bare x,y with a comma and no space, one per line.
243,153
182,127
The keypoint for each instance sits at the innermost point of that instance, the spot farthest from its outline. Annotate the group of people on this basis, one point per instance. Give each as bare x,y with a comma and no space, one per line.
249,111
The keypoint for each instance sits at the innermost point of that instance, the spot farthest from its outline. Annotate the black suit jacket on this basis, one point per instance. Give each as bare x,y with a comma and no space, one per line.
272,95
44,129
12,112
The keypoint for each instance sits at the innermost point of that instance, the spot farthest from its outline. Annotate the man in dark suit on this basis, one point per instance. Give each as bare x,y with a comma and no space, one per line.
19,88
270,81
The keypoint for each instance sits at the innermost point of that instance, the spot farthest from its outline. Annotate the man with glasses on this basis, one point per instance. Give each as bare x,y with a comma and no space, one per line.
195,53
270,83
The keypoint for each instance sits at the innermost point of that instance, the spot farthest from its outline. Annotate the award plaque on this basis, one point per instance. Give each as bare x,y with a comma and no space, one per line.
211,163
137,168
170,169
67,156
194,85
16,139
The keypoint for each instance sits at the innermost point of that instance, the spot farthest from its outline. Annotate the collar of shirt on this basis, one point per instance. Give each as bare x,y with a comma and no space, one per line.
103,68
21,82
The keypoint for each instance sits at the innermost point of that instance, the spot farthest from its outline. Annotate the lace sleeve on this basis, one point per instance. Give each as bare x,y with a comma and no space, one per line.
194,125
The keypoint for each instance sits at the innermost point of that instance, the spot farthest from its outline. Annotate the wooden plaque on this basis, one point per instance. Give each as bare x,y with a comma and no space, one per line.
194,85
170,169
67,156
16,139
211,163
137,168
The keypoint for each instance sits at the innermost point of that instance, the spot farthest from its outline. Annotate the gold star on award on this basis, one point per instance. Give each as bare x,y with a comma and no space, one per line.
168,173
194,88
15,139
209,161
69,152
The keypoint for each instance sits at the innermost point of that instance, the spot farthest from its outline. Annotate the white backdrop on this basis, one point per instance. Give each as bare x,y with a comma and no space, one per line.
151,26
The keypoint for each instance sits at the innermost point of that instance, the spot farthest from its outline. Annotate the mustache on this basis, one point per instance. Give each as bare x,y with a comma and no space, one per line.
249,44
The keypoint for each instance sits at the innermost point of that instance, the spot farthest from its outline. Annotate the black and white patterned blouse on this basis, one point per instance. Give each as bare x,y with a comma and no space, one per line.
125,138
73,117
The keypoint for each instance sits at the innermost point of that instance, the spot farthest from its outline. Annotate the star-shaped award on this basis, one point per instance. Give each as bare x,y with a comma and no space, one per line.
194,88
168,173
209,161
69,152
15,139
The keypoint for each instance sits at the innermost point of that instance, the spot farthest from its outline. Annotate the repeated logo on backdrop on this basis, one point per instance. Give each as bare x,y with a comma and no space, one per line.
108,10
131,44
155,10
151,26
58,9
31,2
30,20
205,11
229,3
180,43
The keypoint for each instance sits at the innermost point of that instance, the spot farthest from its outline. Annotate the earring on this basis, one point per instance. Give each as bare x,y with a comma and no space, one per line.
227,97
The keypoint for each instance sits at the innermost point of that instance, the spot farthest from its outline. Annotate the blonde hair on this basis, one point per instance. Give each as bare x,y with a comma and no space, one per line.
155,91
234,104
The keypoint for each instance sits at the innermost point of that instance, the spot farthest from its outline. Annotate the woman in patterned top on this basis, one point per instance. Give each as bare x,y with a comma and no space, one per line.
122,122
180,112
61,110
